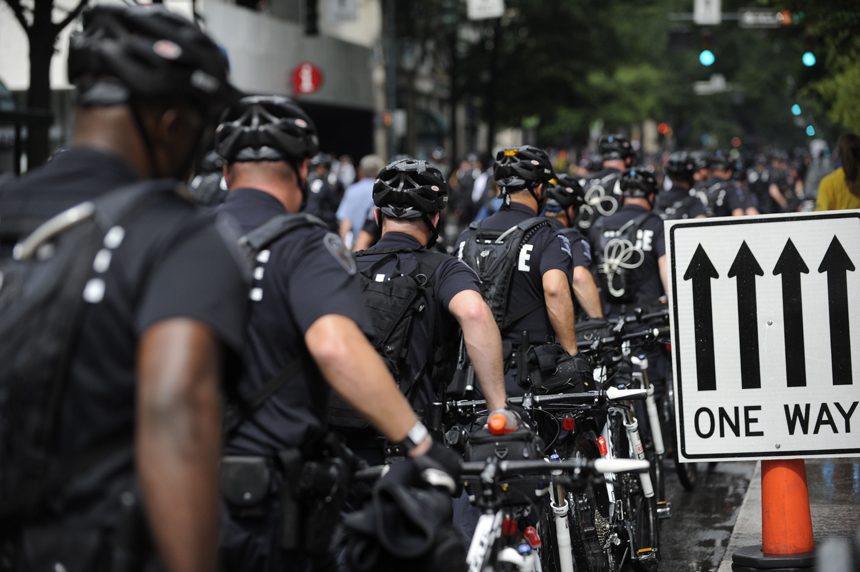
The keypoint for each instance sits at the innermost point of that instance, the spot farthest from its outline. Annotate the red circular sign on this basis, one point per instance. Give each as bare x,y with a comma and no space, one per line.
307,78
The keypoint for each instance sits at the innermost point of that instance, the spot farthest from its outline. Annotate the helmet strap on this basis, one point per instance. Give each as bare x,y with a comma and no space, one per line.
434,231
154,171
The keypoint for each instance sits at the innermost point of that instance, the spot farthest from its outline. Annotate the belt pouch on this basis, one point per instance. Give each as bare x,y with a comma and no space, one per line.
245,484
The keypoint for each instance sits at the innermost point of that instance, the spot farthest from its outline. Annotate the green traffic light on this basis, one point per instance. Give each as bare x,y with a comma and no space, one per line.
795,109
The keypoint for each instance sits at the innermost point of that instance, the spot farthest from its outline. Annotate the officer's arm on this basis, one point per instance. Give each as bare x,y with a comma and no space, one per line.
365,241
178,440
559,306
483,343
345,225
776,195
664,273
354,369
586,293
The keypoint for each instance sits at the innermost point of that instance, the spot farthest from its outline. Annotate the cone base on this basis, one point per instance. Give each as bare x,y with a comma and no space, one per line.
751,558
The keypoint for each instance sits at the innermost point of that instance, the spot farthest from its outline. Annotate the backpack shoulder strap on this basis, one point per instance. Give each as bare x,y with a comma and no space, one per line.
277,227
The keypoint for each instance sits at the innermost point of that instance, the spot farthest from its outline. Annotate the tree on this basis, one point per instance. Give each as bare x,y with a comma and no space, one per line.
42,34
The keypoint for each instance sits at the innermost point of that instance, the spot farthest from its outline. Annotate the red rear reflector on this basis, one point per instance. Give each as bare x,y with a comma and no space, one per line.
532,536
601,444
509,527
568,424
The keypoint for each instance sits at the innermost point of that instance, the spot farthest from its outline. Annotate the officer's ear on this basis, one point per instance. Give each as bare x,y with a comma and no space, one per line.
436,218
303,170
376,216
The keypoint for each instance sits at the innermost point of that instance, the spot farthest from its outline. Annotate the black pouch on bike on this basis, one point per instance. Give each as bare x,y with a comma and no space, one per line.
245,484
553,370
62,547
590,330
521,445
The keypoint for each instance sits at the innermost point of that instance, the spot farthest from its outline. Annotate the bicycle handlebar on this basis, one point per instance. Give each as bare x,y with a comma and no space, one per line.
543,466
586,398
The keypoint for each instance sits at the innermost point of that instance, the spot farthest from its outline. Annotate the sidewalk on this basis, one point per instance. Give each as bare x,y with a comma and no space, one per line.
834,498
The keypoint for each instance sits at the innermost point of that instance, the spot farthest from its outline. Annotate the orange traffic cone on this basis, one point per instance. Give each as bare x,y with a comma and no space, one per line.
786,523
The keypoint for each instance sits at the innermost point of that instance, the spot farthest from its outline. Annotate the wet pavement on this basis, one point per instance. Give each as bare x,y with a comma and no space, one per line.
723,513
696,537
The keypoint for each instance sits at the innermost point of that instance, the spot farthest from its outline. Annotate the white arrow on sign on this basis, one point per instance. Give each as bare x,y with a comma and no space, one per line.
764,311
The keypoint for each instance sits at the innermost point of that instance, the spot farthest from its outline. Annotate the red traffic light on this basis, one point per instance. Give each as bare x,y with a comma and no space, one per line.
663,128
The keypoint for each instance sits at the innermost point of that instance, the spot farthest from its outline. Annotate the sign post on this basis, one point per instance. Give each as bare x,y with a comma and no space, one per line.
763,311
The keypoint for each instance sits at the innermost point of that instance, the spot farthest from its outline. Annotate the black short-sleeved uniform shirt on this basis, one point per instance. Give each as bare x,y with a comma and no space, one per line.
299,278
580,249
323,200
723,197
169,264
452,277
68,182
546,250
650,239
678,203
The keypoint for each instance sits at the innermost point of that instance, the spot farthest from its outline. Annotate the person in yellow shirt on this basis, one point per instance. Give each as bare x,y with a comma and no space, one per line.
840,190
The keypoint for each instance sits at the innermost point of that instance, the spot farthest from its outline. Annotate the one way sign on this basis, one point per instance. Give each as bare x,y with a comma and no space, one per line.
766,335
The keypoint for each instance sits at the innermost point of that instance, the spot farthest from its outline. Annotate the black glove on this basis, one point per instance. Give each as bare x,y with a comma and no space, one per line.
440,467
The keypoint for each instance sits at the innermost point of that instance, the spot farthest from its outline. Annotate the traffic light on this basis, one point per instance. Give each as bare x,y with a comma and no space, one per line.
808,56
707,58
810,130
795,109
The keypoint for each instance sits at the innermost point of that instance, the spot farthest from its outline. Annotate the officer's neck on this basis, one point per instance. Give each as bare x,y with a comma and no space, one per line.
112,130
268,177
416,229
525,198
724,175
638,202
682,184
619,164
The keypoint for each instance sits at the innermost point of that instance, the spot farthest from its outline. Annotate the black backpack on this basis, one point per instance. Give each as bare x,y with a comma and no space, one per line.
42,293
238,410
393,305
494,255
616,254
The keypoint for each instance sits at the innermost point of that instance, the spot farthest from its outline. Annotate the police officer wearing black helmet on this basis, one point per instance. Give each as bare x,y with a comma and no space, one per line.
601,189
325,191
164,316
307,308
642,258
562,206
724,198
680,201
540,285
409,195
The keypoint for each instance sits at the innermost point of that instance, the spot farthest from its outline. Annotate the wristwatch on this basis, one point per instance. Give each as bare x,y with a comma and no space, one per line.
415,436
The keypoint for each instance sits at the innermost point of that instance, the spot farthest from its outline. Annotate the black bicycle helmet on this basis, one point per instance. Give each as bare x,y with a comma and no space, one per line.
567,193
521,168
700,159
320,160
638,183
613,147
680,166
411,189
144,52
266,128
720,161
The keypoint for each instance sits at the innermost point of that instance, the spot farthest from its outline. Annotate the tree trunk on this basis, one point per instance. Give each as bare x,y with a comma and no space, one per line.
490,102
42,35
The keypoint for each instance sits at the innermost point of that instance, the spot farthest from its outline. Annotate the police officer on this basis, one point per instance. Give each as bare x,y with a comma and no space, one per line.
646,274
325,191
639,189
601,188
680,201
758,180
307,308
409,195
544,270
724,198
703,169
562,206
141,396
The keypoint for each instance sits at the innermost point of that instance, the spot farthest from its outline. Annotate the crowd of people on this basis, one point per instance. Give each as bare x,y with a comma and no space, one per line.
173,408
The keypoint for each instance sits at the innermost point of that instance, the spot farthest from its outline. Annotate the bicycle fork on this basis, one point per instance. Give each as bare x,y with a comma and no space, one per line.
561,511
664,509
